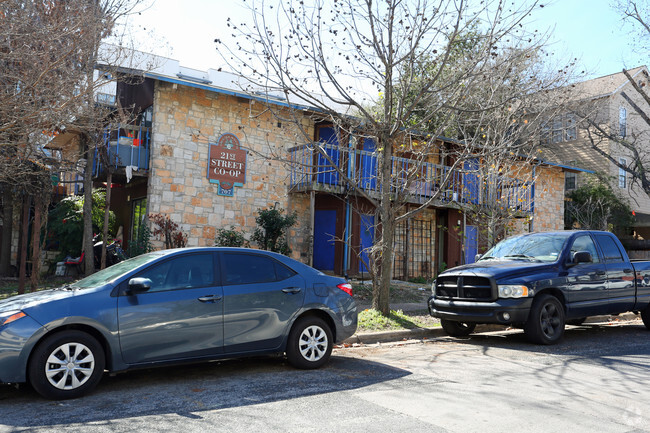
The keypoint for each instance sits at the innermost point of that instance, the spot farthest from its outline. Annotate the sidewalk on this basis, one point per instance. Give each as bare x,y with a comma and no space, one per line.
437,332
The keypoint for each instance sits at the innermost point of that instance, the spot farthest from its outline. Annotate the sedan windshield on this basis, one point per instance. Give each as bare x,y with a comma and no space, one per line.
111,273
541,247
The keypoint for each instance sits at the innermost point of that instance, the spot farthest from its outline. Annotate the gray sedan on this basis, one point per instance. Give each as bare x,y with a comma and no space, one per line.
172,306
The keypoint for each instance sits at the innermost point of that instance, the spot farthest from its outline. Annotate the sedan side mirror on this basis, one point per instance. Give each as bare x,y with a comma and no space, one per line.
582,257
139,285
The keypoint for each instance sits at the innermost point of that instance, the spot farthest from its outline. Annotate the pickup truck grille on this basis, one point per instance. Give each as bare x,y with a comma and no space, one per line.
463,287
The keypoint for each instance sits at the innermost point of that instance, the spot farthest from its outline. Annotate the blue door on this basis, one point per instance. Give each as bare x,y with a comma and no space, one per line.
326,173
470,181
367,227
368,165
471,244
324,232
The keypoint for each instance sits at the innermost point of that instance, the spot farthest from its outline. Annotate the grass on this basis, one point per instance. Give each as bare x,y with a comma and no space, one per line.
10,287
363,292
373,320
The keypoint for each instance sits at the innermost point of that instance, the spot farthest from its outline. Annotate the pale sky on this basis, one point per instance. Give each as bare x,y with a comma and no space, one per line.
585,29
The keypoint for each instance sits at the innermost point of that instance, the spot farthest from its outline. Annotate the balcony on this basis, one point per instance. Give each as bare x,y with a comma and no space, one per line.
128,149
457,188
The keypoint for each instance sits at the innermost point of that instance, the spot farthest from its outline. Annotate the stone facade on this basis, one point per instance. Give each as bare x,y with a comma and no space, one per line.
185,121
549,199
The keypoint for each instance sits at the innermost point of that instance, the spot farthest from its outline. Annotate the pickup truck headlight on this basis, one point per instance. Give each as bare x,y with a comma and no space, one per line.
512,291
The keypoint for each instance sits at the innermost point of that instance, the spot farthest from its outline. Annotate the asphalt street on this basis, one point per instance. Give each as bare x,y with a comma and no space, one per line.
596,380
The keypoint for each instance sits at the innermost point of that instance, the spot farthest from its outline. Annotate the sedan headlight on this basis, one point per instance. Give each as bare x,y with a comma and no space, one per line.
10,316
512,291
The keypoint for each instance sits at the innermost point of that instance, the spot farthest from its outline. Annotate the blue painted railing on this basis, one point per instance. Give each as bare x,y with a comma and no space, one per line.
311,170
127,145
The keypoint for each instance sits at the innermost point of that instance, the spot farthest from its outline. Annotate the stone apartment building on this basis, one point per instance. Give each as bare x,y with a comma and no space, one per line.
210,156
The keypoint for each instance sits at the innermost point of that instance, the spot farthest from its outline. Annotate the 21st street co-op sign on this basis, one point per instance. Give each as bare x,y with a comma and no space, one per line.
227,164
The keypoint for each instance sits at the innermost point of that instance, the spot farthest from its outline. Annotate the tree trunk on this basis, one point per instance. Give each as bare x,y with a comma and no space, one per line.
7,230
24,233
36,242
383,259
89,258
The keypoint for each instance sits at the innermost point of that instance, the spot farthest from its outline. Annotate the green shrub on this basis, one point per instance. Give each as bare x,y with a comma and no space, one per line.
230,238
271,232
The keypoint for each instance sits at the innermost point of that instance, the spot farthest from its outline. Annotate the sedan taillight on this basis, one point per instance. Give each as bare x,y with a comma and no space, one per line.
346,287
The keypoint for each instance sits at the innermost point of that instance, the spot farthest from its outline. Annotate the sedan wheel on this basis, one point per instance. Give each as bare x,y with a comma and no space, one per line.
310,343
66,365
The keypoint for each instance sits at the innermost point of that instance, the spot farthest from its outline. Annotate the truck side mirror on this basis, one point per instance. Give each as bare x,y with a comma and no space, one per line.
582,257
477,257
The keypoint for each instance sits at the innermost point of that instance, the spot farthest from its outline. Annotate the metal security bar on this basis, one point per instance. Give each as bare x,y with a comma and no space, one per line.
414,243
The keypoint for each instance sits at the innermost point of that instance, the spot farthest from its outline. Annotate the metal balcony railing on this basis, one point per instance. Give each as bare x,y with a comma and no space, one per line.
127,146
310,170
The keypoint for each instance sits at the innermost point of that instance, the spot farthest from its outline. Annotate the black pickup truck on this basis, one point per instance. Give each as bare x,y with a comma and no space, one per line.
540,282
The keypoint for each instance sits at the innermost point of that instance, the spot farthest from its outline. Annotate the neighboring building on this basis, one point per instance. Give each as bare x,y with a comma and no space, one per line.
606,102
209,156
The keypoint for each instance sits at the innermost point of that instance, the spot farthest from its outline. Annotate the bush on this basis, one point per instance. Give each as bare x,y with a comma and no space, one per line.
142,242
230,238
65,222
596,206
169,231
271,232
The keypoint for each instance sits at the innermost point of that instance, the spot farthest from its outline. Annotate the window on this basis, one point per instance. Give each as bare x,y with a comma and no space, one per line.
622,122
252,268
610,249
570,129
622,174
585,243
138,216
570,178
559,129
569,181
185,272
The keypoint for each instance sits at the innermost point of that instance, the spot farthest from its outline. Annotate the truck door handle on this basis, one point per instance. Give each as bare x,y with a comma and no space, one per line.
291,290
601,273
627,271
210,298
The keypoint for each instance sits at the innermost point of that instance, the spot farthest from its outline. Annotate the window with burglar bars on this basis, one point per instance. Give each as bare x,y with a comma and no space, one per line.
413,250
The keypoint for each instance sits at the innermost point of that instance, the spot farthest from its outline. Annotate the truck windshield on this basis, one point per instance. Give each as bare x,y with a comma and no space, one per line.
539,247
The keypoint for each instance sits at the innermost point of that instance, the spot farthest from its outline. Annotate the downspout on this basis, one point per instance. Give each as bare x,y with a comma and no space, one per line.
312,206
531,226
346,231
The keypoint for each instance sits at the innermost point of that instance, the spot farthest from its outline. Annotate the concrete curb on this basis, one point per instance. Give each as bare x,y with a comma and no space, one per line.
429,333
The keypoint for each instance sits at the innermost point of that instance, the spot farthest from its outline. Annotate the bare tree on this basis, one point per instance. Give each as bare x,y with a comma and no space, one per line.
358,65
48,54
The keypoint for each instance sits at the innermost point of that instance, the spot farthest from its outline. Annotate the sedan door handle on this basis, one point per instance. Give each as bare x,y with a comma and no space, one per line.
210,298
291,290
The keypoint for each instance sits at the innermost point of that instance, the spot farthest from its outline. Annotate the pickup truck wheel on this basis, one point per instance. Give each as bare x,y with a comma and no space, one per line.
545,323
457,329
645,316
